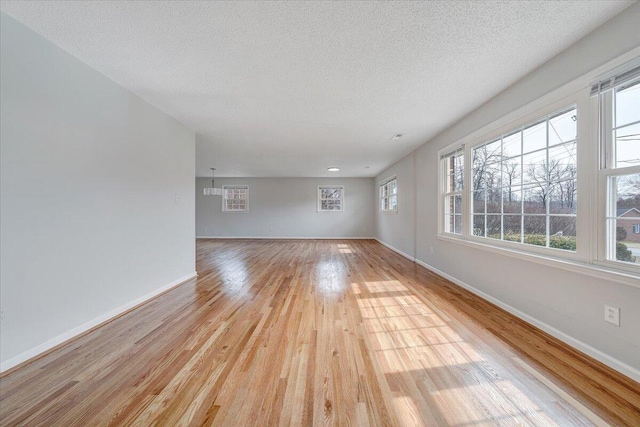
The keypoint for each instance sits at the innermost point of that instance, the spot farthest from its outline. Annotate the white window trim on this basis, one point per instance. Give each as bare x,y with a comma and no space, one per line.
492,131
380,185
592,270
442,176
581,170
581,100
224,205
319,200
604,172
587,259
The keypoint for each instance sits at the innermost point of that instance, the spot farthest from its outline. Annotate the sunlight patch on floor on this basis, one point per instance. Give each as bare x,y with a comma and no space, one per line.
385,286
343,248
422,356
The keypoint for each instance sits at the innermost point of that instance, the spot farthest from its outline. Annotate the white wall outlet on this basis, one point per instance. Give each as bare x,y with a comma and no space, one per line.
431,248
612,315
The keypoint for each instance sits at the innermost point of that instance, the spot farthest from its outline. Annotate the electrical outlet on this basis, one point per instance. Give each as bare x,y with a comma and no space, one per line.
3,314
431,249
612,315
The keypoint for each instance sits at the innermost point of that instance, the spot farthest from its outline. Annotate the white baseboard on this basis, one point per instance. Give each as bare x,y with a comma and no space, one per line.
285,238
39,349
612,362
398,251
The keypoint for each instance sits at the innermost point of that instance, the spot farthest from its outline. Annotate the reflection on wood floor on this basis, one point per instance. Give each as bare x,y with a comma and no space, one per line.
316,332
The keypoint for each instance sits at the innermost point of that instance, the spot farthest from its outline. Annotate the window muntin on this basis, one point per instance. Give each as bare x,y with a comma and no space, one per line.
525,184
330,198
235,198
453,184
388,195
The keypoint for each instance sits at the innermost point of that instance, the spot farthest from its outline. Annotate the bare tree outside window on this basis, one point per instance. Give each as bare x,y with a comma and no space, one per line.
525,184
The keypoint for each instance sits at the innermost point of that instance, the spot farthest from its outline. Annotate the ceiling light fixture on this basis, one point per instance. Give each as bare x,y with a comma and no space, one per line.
333,169
396,136
213,191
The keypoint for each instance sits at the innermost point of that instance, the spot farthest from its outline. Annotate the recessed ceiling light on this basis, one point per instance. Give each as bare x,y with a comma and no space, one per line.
333,169
396,136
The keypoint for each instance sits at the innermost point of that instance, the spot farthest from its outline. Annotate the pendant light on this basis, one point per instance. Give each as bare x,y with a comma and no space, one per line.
213,191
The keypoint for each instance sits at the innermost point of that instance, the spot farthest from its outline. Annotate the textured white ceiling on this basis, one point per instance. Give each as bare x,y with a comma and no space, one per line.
291,88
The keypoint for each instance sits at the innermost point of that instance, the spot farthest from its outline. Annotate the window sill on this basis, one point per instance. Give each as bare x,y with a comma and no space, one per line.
593,270
389,212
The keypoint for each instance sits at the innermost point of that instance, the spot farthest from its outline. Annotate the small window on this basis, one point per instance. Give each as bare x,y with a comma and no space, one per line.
636,228
235,198
389,195
330,198
453,180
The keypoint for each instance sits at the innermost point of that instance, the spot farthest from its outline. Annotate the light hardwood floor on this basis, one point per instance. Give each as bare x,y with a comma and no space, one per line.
316,333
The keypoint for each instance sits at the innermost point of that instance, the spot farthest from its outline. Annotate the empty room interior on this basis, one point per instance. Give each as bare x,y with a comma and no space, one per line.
289,213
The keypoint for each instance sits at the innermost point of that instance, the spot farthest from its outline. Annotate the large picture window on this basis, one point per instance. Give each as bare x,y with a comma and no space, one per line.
388,193
525,183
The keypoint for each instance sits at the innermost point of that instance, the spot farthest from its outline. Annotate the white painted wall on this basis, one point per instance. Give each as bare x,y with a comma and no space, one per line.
397,229
97,200
568,304
287,207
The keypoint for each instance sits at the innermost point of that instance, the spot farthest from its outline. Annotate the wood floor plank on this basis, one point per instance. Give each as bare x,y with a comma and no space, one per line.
316,332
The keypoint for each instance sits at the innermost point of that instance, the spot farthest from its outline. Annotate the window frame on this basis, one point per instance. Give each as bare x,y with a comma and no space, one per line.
385,184
602,127
443,174
590,212
547,215
320,199
224,198
533,112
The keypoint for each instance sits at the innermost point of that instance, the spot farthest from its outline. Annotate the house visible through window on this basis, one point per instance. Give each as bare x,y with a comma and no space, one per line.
389,195
330,198
235,198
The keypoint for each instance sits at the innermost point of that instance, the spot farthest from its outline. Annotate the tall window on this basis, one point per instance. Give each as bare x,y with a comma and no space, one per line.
235,198
525,183
453,181
330,198
389,195
620,168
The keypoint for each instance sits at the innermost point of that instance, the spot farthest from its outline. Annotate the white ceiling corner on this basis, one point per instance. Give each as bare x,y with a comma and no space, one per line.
291,88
